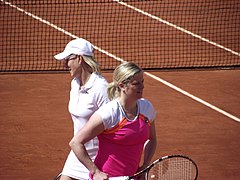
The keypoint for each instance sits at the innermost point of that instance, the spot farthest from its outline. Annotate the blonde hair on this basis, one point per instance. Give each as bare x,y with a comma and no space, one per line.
122,74
93,65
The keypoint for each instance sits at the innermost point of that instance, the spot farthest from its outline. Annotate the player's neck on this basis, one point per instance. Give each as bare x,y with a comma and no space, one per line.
85,77
129,109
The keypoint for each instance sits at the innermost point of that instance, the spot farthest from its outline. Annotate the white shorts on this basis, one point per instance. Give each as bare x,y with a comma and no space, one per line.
74,168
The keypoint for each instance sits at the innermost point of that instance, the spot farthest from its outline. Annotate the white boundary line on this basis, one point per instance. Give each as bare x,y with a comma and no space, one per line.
121,60
57,28
177,27
194,97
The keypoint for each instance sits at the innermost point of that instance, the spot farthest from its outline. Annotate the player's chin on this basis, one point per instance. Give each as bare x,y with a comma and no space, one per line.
72,74
139,95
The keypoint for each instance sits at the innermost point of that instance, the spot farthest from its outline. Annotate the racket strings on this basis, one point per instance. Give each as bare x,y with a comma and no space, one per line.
176,168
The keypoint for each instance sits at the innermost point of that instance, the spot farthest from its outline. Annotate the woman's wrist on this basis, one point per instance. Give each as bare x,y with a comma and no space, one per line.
94,171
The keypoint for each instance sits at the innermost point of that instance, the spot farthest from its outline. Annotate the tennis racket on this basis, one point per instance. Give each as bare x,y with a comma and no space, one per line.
57,176
174,167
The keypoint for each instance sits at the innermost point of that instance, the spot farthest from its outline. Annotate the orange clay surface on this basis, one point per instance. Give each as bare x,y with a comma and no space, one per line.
35,125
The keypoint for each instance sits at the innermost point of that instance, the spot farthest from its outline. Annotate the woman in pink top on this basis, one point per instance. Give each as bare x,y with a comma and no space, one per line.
124,126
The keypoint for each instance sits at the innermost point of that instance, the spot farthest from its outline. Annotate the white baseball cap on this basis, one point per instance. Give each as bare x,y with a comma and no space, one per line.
77,46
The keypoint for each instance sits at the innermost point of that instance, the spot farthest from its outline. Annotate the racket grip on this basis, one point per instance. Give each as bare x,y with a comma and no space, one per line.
119,178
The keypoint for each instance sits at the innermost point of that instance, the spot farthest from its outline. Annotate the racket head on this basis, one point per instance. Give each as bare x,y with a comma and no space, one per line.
174,167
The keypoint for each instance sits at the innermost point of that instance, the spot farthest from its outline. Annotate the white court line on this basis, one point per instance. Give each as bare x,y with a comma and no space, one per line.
177,27
121,60
194,97
58,28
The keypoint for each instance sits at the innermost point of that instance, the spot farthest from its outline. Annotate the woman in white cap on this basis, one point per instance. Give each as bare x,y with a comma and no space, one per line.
88,93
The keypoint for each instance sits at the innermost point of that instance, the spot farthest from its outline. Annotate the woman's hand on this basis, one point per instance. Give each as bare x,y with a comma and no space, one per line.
99,175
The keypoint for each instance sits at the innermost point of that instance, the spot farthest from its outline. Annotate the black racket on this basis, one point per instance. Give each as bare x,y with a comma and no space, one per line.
174,167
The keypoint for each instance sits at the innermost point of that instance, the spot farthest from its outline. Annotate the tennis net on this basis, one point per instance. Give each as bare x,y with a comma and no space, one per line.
155,34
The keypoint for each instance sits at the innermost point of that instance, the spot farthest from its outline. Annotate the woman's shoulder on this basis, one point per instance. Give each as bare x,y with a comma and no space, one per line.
99,80
146,108
111,105
110,114
109,109
145,102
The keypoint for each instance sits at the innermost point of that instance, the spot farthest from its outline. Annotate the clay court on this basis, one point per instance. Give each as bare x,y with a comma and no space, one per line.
36,127
198,110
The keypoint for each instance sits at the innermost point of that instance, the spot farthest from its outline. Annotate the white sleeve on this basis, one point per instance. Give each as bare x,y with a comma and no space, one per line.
101,96
147,109
109,114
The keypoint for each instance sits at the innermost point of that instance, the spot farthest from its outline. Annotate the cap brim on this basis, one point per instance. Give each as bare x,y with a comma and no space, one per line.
61,56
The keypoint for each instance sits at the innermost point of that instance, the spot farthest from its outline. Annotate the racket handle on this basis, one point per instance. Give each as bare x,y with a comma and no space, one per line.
119,178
